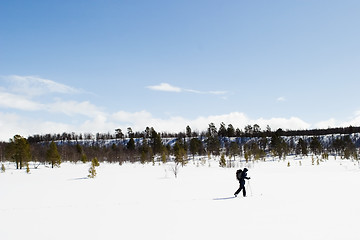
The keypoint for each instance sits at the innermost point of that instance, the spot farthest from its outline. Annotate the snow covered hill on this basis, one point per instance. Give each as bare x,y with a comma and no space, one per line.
134,201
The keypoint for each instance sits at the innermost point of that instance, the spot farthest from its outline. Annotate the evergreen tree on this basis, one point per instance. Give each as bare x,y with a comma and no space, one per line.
131,144
188,131
18,150
248,130
84,158
156,142
79,148
263,143
195,146
234,149
230,131
278,145
53,156
222,130
238,132
301,147
118,133
212,141
256,128
180,153
92,171
349,148
315,145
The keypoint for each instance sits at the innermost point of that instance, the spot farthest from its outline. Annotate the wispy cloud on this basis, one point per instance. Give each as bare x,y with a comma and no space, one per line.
25,93
36,86
166,87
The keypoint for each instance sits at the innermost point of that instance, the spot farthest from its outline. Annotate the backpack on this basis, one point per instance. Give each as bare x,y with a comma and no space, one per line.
238,174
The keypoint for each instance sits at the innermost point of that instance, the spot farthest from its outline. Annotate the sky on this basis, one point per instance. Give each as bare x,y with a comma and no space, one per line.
94,66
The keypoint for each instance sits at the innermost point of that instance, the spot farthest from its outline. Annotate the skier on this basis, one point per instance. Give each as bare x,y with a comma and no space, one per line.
241,178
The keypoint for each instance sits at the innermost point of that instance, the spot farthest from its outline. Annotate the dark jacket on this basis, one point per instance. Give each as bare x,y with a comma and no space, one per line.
244,176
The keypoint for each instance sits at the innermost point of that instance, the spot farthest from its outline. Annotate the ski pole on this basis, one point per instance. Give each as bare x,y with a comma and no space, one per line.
250,188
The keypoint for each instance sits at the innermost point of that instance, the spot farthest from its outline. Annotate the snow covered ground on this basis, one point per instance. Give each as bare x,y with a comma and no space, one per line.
135,201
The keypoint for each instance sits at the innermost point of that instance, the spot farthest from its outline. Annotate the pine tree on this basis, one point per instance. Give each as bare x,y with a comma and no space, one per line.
84,158
53,156
92,171
301,147
315,145
131,144
180,153
188,131
195,145
234,149
230,131
156,142
18,150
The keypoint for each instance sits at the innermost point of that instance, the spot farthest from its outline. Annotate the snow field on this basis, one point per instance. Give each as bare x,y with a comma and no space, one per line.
135,201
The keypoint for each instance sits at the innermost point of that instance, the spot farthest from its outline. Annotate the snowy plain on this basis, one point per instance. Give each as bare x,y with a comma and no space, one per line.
134,201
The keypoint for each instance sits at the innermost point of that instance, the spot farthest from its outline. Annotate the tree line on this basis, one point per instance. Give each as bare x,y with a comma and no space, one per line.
252,143
223,131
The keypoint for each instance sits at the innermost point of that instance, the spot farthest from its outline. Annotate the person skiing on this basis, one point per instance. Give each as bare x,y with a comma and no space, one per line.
241,176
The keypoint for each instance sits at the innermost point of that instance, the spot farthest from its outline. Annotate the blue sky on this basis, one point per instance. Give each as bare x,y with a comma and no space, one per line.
93,66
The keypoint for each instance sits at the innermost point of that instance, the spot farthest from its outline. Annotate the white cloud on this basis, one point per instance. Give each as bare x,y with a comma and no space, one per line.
129,117
353,121
140,120
169,88
218,92
9,100
326,124
292,123
165,87
12,124
36,86
281,99
73,107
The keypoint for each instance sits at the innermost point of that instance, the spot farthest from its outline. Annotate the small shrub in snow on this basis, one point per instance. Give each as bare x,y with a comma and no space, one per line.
325,156
222,161
92,171
27,168
2,168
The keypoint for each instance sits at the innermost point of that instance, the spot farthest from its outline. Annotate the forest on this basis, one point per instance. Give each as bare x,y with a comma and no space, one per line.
251,143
